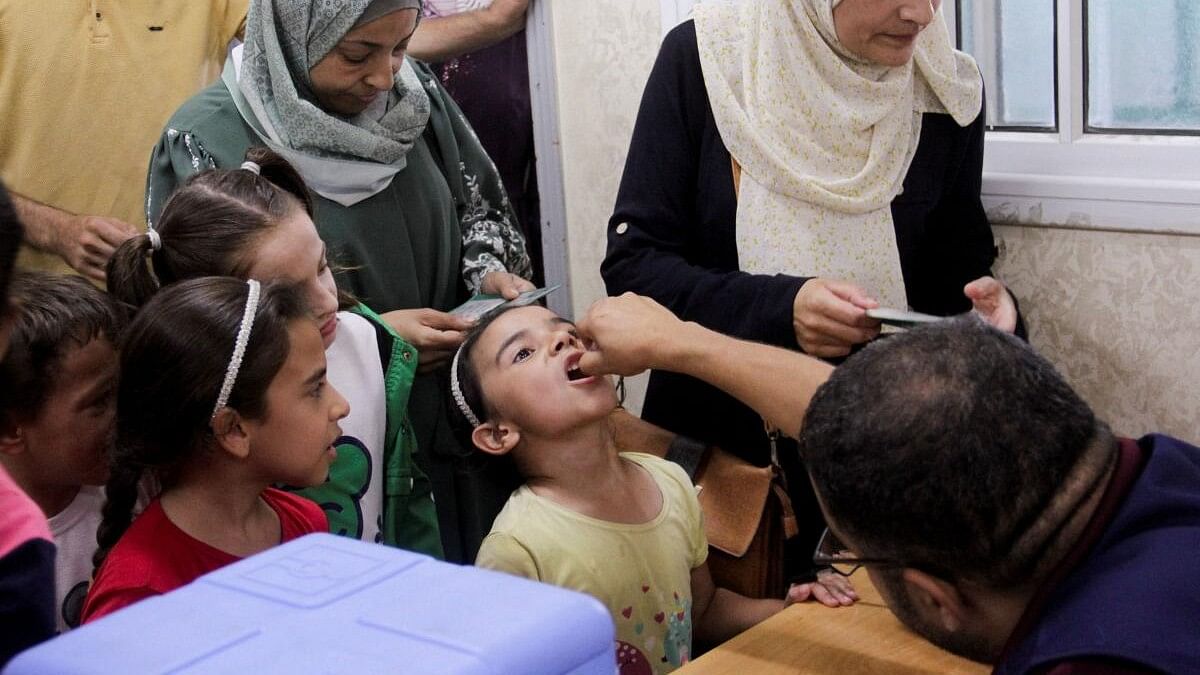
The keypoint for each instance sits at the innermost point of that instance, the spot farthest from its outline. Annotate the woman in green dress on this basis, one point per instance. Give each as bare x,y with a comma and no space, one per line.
407,201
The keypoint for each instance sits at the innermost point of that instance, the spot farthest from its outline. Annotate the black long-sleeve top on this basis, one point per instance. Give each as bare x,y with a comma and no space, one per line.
671,237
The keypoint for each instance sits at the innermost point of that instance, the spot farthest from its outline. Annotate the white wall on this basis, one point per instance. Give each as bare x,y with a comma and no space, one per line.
604,50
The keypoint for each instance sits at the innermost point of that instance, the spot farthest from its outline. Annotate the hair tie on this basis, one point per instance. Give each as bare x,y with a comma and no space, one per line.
252,167
456,392
239,345
155,239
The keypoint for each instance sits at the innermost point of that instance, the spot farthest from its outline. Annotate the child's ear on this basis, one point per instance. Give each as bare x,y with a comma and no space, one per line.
232,432
495,438
12,436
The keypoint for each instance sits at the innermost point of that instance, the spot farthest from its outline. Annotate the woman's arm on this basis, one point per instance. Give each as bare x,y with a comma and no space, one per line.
658,244
491,236
966,240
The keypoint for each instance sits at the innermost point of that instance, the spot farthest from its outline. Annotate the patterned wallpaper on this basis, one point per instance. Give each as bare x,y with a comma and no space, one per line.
1118,314
604,50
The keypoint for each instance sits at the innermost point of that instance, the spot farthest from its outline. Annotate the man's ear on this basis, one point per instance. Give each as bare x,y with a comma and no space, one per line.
12,436
495,438
232,433
936,599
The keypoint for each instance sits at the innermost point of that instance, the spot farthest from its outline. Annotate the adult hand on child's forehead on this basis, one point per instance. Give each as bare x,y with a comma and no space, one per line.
435,334
628,335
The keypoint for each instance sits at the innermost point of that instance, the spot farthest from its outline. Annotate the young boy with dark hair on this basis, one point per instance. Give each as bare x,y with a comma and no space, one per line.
56,415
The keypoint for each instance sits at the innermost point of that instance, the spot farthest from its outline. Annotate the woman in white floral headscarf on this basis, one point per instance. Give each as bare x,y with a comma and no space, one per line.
794,164
407,201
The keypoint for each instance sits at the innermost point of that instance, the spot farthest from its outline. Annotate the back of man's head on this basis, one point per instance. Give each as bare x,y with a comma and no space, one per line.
949,448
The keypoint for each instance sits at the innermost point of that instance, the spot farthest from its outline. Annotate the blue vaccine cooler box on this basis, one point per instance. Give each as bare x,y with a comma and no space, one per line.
326,604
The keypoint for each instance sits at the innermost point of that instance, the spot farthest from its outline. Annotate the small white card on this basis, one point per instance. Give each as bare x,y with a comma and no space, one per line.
901,318
481,304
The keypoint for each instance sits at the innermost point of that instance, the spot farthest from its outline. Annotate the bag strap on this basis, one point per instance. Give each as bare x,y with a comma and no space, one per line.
688,453
787,514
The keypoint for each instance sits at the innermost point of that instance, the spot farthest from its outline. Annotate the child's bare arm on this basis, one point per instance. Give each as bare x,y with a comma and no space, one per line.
830,589
719,614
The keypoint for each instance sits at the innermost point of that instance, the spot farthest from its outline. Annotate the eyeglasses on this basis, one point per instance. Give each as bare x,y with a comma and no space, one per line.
832,553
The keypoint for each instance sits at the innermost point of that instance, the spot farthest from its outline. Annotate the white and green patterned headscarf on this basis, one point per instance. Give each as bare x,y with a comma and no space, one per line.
284,40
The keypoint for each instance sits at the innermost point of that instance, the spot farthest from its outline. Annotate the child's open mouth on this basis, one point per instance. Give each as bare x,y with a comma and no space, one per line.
574,374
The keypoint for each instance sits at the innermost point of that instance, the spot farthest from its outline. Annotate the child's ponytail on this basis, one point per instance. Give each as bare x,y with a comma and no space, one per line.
280,173
129,275
208,226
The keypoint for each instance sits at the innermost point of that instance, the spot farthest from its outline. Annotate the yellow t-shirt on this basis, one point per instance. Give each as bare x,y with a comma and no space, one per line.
85,89
641,572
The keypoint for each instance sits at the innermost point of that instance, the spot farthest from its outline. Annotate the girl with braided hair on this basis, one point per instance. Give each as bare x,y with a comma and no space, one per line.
222,395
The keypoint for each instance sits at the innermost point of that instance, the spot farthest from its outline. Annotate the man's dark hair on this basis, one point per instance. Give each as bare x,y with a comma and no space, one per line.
52,314
11,234
946,448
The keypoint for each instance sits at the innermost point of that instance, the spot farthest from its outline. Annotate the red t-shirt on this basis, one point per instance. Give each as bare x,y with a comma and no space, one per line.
154,556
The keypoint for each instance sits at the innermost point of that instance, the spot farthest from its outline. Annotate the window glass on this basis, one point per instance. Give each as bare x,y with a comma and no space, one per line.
1013,41
1143,62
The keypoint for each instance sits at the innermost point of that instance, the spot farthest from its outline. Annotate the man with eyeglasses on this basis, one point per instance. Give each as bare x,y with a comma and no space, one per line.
996,515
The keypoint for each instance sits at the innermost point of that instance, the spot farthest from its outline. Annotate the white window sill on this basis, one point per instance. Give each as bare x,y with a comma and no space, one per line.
1119,183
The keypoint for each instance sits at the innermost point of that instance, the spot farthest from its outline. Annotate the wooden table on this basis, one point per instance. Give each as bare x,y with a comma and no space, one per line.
812,638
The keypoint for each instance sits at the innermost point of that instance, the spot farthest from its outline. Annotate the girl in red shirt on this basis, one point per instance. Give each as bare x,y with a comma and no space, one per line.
222,394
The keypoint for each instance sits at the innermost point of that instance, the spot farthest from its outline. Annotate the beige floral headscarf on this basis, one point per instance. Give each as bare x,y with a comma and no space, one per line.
824,139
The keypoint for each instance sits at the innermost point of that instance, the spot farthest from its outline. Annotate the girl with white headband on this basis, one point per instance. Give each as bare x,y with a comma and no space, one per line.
255,221
620,525
222,395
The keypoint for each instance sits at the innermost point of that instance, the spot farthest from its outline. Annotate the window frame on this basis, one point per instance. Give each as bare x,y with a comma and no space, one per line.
547,144
1086,179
